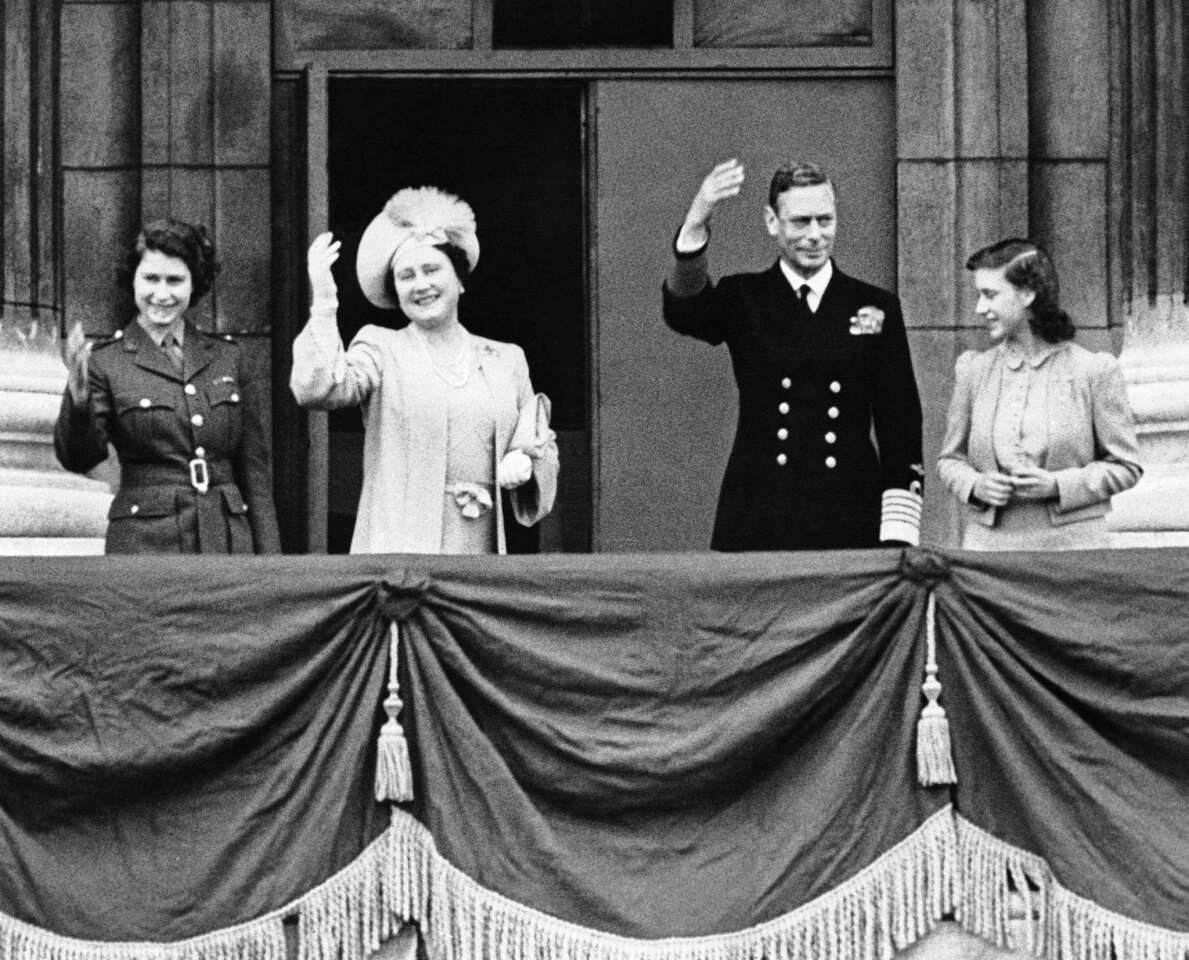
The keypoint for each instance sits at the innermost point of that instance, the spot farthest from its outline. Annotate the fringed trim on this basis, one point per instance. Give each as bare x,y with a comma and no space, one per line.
394,773
259,939
886,907
1010,897
947,865
352,913
935,758
402,878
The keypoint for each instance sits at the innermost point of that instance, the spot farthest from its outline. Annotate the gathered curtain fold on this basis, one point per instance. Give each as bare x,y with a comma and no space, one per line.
609,757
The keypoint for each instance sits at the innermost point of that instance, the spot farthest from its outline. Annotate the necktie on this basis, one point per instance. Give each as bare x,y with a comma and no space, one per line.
802,311
173,350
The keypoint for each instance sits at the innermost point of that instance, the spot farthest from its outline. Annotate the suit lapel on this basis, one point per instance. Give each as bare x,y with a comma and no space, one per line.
982,414
786,324
147,355
196,349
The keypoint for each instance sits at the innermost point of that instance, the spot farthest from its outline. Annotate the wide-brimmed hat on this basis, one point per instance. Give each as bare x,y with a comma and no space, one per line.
414,214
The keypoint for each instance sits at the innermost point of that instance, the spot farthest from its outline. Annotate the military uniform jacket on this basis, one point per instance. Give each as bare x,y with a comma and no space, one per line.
175,433
804,472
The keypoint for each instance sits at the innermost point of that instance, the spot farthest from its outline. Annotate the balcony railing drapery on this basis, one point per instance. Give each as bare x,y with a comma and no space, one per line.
607,758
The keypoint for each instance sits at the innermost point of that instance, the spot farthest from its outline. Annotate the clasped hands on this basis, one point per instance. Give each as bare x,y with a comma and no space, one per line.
1024,483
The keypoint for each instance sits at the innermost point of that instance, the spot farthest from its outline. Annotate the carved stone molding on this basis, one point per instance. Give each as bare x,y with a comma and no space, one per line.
1149,259
43,509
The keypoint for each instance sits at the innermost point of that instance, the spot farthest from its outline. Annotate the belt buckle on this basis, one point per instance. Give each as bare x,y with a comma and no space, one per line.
200,478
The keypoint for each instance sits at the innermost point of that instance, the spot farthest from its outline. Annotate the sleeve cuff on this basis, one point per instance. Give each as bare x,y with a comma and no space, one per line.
900,516
688,252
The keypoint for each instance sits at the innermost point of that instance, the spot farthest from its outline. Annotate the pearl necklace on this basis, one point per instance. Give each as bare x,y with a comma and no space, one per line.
448,370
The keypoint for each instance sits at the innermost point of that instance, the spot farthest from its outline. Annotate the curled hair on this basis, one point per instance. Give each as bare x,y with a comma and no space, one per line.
190,243
797,173
457,257
1028,266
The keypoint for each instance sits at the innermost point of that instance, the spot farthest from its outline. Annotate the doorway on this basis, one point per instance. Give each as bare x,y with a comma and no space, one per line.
516,152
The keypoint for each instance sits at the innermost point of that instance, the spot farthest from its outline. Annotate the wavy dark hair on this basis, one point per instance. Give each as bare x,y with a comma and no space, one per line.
1028,266
796,173
190,243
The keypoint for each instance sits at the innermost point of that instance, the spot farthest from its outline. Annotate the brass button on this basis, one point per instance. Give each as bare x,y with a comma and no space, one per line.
786,383
781,459
831,463
783,408
200,452
135,508
190,389
835,387
832,413
831,437
235,398
782,434
197,420
146,402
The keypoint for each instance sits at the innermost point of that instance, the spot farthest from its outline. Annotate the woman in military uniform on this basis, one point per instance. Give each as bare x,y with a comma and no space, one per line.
177,406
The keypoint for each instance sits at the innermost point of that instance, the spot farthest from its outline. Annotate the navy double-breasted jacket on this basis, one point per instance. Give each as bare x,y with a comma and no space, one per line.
195,462
828,420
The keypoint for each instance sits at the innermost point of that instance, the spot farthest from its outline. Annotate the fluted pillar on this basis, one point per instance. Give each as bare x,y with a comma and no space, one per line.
1151,234
43,509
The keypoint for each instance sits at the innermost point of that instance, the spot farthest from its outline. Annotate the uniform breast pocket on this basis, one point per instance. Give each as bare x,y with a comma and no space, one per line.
226,403
145,419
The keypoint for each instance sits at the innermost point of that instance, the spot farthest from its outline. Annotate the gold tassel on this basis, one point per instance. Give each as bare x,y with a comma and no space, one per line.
935,760
394,772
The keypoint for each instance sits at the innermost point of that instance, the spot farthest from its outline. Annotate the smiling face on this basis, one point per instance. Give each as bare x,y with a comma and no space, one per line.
162,287
427,288
1002,306
803,225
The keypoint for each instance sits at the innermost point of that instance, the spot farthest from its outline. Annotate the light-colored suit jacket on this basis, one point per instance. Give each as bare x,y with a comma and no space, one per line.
405,434
1091,445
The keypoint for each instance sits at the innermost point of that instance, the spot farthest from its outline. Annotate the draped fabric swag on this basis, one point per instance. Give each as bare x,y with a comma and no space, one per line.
605,758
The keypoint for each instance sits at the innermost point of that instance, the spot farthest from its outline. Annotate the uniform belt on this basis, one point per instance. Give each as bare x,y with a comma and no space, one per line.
199,473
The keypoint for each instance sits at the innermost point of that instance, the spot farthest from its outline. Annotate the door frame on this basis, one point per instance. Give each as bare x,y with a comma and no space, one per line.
317,77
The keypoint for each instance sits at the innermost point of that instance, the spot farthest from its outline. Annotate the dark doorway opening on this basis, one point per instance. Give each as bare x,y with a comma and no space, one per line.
514,151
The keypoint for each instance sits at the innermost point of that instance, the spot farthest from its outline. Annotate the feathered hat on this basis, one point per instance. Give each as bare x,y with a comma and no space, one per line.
420,214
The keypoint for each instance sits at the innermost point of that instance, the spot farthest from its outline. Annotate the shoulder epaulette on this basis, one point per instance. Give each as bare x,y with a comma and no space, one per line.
106,340
218,335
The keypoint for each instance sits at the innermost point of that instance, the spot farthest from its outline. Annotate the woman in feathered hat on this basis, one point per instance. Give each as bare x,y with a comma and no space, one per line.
449,417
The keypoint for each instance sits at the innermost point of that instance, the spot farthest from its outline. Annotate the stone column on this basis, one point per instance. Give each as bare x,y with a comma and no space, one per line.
1148,241
962,178
43,509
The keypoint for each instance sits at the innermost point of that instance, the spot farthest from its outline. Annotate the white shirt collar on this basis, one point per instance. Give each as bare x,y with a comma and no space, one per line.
817,283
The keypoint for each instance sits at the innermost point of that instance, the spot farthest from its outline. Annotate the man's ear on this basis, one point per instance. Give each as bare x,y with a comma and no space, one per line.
771,221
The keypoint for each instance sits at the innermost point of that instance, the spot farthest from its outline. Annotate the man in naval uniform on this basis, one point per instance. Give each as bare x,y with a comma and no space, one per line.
822,364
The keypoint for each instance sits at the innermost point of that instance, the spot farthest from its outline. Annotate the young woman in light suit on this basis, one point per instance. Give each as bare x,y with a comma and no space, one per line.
1040,434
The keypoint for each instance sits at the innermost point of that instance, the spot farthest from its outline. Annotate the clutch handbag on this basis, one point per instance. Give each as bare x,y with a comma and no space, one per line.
544,415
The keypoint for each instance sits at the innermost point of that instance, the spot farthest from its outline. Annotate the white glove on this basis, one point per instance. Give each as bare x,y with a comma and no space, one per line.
514,470
323,252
